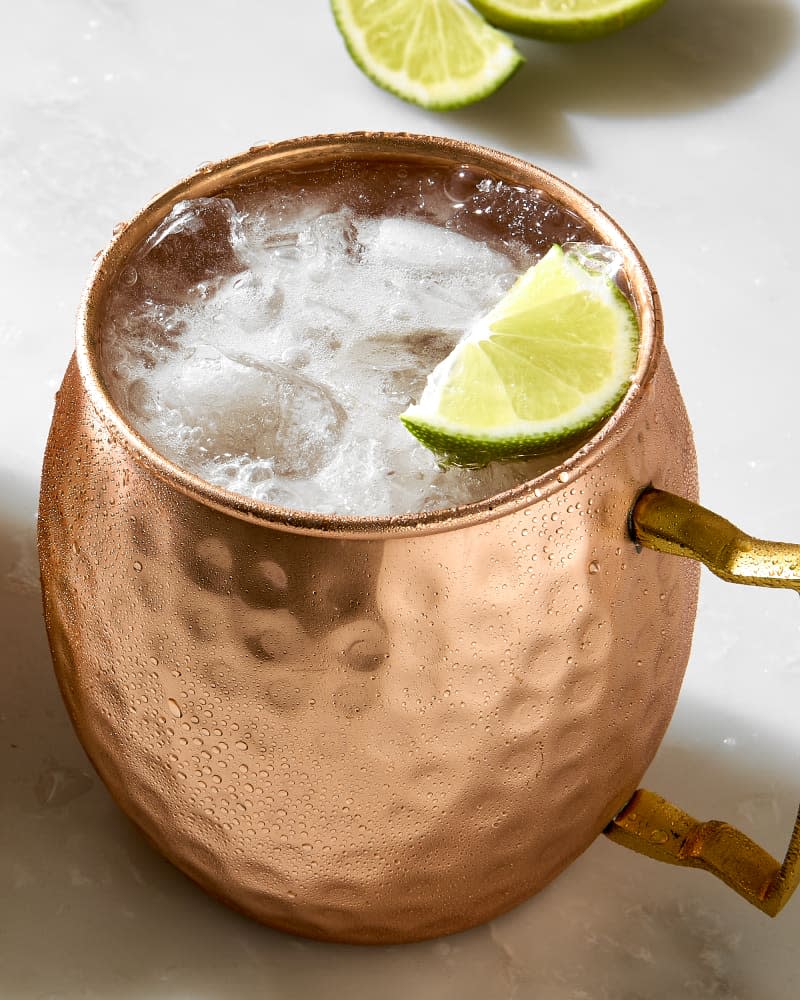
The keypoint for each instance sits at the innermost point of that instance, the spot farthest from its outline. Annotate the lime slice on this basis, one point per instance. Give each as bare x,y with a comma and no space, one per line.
549,362
564,20
436,53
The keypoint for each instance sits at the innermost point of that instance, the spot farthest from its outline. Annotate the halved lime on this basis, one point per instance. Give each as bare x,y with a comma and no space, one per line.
564,20
550,361
436,53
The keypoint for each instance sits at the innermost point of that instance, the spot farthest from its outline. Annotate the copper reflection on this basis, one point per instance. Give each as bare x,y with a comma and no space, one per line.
366,730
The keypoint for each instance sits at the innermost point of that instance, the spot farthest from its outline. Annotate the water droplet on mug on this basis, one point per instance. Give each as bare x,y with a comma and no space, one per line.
594,566
128,275
563,477
174,707
137,566
659,837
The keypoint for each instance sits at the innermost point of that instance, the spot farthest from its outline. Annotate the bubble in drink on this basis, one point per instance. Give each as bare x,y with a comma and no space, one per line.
272,337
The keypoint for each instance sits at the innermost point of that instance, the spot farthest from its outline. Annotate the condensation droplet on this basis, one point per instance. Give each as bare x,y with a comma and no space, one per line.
137,566
174,707
594,566
563,477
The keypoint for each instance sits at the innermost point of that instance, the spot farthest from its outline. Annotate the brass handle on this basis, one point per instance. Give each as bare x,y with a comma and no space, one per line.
651,825
667,523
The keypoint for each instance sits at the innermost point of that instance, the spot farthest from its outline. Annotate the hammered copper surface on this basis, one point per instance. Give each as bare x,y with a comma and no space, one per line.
377,734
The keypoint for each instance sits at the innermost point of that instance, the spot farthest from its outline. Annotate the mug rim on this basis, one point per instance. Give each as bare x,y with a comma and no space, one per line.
215,177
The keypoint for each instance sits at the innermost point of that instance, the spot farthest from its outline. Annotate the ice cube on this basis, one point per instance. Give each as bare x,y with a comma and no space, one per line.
279,415
192,248
398,363
141,399
214,409
248,302
595,257
422,246
334,234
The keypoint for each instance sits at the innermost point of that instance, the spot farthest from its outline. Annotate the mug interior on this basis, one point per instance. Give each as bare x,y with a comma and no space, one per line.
271,161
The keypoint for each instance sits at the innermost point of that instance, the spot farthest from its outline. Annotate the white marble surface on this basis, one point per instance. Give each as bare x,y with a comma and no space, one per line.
684,127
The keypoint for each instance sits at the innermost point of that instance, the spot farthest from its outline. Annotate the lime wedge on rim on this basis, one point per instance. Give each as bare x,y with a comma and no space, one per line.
439,54
564,20
548,363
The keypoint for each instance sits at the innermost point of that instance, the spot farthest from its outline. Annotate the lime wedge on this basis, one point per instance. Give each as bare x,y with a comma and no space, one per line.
564,20
549,362
439,54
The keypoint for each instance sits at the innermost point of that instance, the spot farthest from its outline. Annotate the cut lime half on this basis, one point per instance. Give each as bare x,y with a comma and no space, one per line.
564,20
548,363
439,54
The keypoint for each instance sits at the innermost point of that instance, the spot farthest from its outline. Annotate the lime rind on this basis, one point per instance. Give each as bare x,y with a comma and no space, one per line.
427,70
540,19
454,446
474,420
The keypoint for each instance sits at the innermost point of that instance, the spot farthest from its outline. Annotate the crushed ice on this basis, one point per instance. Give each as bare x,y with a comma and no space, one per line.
272,357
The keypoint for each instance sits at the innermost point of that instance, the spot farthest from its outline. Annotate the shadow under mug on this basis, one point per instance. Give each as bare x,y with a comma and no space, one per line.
386,729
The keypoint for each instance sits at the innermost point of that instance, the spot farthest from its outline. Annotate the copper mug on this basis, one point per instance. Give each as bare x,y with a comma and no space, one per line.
387,729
